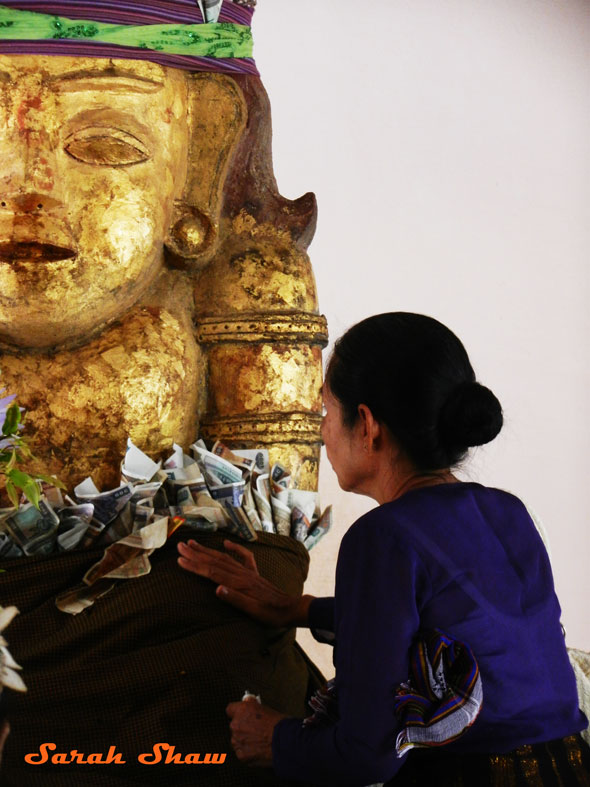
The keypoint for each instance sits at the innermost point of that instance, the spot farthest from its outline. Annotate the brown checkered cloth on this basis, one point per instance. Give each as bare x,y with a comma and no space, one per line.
155,661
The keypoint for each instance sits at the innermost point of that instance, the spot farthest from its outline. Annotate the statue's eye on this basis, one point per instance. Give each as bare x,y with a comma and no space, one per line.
106,147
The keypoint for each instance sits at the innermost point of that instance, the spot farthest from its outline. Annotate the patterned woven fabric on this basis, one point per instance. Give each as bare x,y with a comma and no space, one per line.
560,763
155,661
443,696
131,13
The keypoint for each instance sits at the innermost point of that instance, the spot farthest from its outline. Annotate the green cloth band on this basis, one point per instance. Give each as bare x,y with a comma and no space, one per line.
221,39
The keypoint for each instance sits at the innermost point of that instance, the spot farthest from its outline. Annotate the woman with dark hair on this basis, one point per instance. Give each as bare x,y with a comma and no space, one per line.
451,667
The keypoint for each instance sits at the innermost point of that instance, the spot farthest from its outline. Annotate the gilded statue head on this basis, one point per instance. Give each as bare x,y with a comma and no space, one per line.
94,156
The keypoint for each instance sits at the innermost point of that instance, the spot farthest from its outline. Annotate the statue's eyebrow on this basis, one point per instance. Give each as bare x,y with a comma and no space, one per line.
120,81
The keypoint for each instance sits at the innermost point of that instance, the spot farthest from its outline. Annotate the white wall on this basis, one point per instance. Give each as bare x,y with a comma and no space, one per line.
448,144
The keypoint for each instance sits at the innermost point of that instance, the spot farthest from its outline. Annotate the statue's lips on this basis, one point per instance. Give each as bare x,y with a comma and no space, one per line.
35,238
34,251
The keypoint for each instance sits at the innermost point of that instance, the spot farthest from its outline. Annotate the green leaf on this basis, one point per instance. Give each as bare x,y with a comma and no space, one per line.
31,492
12,493
13,419
50,479
18,478
11,462
23,448
25,482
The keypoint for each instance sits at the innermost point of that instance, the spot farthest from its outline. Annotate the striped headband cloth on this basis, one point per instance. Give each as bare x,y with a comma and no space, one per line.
194,35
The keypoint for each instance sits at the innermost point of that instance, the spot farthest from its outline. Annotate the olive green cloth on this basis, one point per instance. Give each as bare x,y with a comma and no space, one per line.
156,660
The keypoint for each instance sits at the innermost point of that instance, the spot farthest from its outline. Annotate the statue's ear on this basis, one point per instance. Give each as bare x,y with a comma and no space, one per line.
217,116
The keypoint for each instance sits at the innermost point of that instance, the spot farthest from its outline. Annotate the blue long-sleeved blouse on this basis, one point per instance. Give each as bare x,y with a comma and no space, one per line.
462,558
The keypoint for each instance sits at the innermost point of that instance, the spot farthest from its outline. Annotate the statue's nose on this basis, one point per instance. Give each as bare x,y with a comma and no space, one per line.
28,202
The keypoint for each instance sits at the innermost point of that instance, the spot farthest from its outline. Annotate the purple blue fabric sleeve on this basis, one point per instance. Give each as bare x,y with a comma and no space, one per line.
321,619
371,660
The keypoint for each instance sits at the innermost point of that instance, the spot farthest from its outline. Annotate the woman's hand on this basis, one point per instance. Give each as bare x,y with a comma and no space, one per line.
240,584
252,726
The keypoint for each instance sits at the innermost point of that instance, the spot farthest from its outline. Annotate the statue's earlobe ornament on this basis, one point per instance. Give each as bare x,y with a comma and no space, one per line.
192,236
217,118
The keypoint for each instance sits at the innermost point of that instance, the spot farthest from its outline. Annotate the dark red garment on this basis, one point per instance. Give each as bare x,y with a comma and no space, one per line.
155,661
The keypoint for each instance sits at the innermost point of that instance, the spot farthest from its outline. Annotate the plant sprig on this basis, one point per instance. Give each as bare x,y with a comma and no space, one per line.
14,452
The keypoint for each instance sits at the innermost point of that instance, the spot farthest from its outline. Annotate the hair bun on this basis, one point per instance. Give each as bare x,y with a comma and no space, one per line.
472,415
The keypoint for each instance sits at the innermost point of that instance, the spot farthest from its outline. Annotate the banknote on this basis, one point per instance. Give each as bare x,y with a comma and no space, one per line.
250,508
137,465
244,463
176,459
303,499
230,497
232,493
135,514
184,496
108,504
53,495
182,475
261,495
320,529
242,524
281,515
258,457
73,524
33,529
280,476
264,511
8,548
216,468
263,485
221,488
142,516
300,524
207,520
81,597
120,527
113,563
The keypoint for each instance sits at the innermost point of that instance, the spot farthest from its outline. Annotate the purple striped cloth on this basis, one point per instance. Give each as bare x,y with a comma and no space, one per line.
128,12
443,695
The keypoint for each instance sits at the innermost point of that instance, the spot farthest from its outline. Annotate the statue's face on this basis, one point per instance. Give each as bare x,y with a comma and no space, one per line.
92,156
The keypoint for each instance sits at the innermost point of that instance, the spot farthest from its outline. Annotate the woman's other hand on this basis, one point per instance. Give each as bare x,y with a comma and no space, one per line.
240,584
252,726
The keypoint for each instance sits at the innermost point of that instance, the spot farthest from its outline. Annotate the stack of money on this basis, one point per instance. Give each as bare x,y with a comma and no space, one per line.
269,501
217,489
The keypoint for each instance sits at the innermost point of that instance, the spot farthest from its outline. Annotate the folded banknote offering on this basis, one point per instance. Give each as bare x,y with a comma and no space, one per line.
218,489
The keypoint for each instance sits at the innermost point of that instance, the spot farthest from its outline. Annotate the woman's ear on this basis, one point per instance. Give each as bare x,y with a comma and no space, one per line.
371,428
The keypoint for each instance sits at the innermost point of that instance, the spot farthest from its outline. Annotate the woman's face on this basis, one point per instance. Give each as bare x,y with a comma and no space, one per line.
344,444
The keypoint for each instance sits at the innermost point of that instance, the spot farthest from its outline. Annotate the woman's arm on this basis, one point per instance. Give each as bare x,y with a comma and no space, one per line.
380,583
240,584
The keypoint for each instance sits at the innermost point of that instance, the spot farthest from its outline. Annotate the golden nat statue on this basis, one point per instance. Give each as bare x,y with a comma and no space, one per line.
153,284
